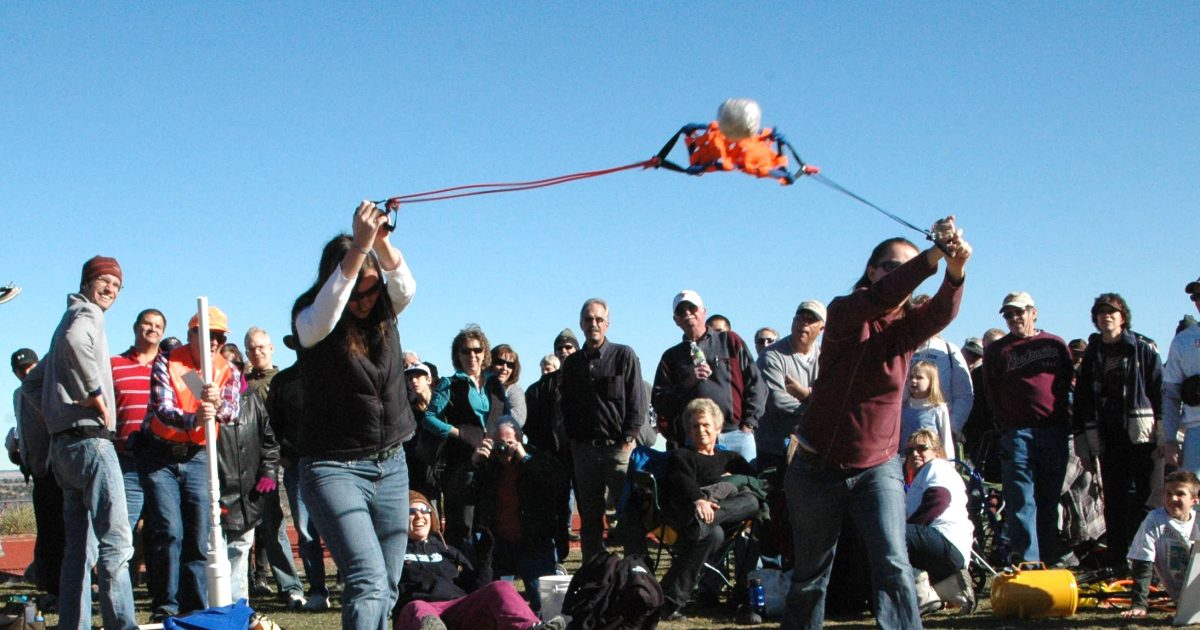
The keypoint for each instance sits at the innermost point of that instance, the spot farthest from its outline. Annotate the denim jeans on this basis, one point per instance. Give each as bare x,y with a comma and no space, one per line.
361,509
742,443
1033,464
698,542
177,519
238,546
134,497
1189,455
309,539
818,498
530,559
97,533
929,550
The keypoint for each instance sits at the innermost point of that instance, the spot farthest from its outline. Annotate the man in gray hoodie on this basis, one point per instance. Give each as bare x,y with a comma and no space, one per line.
80,411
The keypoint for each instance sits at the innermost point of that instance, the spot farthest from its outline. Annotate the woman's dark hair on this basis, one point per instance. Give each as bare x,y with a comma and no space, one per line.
1115,301
498,353
238,358
364,337
877,254
470,331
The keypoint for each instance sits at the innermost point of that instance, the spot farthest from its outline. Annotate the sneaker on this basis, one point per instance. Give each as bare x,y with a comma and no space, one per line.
669,612
295,601
956,590
747,617
557,622
431,622
317,603
260,588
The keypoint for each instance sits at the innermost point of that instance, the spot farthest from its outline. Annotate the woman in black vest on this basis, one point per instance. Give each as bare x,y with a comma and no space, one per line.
353,474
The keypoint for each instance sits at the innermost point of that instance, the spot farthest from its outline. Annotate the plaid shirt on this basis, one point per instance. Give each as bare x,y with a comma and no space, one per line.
165,405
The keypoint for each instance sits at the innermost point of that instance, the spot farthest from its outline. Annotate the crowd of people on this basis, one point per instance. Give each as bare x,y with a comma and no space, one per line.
423,488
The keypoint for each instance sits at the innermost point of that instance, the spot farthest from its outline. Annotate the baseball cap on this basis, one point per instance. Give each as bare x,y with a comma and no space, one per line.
1017,299
216,320
973,345
23,357
813,306
418,367
689,296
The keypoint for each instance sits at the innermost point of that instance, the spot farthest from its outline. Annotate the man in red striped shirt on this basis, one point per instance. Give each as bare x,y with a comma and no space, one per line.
131,382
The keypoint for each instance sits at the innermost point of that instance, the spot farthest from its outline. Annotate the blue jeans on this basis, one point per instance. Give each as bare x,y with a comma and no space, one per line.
361,509
818,498
309,539
742,443
529,559
97,533
1033,464
134,497
177,519
1189,455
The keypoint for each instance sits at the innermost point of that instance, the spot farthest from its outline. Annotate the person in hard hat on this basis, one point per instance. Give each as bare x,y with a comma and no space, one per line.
173,465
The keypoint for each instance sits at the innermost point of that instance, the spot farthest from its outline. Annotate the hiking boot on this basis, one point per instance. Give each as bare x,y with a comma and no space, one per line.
295,601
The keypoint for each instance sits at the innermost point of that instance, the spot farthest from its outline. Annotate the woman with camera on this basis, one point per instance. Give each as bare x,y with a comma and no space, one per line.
522,498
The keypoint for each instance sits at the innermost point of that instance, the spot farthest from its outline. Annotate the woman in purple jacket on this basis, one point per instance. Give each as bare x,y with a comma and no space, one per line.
846,458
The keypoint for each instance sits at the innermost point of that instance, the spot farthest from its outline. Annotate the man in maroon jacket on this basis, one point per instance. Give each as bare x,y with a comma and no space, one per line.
1027,376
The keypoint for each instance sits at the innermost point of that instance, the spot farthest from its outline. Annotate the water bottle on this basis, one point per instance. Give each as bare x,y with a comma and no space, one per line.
697,355
31,612
758,597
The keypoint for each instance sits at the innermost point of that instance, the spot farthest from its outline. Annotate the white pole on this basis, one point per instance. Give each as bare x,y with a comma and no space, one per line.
216,569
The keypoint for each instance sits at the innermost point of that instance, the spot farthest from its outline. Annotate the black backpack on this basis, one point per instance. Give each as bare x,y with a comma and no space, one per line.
611,593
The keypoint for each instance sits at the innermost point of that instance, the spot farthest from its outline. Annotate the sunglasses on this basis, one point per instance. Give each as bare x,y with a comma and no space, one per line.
1010,314
919,448
504,363
764,340
471,350
419,509
685,308
358,295
889,265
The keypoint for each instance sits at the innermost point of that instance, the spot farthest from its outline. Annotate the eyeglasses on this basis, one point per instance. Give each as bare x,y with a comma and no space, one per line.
419,509
1013,313
889,265
919,448
471,350
504,363
765,340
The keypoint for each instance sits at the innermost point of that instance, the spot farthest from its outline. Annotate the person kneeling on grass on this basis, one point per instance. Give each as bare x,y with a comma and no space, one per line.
1163,544
440,589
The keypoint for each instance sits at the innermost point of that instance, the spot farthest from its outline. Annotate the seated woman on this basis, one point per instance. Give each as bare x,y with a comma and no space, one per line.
441,589
700,500
939,533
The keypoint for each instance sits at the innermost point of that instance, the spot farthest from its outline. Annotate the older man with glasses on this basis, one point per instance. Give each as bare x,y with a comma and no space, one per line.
789,368
1027,378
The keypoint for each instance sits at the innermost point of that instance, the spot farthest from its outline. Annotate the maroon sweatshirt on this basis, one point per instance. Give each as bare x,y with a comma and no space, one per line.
1028,381
853,415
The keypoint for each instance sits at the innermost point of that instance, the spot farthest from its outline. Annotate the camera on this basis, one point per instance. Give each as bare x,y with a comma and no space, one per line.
500,449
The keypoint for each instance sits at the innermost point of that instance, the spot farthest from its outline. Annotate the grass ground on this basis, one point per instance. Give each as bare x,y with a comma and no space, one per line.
711,618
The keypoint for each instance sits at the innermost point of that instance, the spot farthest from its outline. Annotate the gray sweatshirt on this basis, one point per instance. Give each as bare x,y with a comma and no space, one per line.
76,368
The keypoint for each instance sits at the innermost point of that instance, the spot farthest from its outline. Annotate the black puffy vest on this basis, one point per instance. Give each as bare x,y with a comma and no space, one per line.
353,407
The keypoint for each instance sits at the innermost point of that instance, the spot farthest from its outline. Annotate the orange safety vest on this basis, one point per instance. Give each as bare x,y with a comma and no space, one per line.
179,362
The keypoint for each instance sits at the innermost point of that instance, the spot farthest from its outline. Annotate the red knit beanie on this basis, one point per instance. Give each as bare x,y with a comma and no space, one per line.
98,266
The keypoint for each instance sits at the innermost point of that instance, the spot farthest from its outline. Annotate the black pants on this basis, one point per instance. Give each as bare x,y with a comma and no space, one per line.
698,541
1125,470
51,537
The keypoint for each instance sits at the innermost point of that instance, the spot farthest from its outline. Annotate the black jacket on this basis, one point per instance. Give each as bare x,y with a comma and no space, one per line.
437,572
354,406
246,451
285,406
544,423
542,487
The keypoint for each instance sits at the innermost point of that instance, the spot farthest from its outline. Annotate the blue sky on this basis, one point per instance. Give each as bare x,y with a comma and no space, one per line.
214,147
